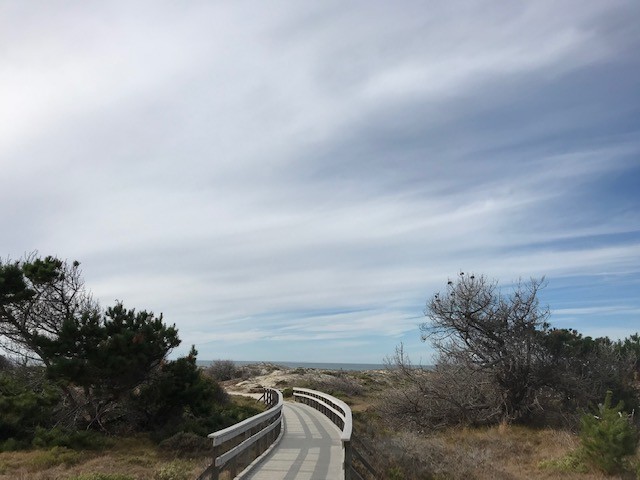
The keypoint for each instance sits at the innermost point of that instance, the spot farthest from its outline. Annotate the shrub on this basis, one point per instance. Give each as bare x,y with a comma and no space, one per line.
27,400
12,444
287,392
447,395
75,439
608,437
178,394
56,456
222,370
240,410
187,444
338,386
221,416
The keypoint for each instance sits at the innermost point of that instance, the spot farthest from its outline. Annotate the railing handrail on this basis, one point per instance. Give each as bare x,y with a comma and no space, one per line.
344,414
233,431
338,412
269,424
235,451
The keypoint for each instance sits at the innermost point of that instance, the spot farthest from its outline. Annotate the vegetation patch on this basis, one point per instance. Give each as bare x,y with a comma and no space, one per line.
101,476
223,370
101,370
287,392
73,439
575,461
608,437
503,379
187,445
55,456
176,470
499,360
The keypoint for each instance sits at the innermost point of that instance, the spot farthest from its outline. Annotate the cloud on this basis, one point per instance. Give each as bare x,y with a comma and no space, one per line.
598,310
293,173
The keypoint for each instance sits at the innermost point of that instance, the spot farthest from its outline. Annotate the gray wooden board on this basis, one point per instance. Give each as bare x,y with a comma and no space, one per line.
310,449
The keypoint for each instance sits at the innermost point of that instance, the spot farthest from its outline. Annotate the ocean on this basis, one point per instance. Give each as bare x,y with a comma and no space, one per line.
320,366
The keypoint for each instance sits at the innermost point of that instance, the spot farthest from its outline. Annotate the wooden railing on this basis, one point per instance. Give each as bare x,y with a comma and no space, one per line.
340,414
235,447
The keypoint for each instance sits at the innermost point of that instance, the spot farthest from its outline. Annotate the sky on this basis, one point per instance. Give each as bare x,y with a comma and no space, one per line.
293,180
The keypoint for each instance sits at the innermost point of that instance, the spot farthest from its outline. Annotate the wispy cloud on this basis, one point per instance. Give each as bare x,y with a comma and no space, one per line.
270,177
618,309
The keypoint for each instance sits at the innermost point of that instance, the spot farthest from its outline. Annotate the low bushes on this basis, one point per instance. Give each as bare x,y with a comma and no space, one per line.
186,445
56,456
27,401
223,370
74,439
339,385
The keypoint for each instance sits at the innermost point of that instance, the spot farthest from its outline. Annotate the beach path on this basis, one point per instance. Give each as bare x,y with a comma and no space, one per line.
309,450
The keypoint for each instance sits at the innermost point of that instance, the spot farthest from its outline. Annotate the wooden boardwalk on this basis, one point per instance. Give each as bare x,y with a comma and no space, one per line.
309,450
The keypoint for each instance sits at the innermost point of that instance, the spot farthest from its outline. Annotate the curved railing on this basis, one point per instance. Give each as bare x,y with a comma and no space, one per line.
235,447
340,414
335,410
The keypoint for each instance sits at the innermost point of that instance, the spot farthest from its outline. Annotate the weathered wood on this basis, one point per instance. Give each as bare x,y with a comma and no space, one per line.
359,447
238,449
310,448
355,472
336,405
346,446
221,436
323,404
338,412
252,430
364,462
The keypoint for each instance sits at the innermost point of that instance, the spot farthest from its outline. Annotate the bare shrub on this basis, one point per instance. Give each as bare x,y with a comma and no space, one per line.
257,369
222,370
337,384
440,397
475,325
499,360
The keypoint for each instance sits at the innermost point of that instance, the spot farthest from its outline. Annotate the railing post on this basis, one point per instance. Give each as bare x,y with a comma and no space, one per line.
215,473
346,445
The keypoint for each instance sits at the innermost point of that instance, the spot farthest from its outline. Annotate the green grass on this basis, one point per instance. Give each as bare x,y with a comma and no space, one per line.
102,476
176,470
54,457
574,461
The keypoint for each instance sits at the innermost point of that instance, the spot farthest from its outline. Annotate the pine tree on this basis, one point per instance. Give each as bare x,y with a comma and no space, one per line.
609,436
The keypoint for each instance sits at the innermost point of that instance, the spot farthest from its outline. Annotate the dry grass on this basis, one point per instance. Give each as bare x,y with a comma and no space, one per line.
130,458
509,451
503,452
135,458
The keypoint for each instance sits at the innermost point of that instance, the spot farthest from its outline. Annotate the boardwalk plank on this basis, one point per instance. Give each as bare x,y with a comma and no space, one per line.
310,449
